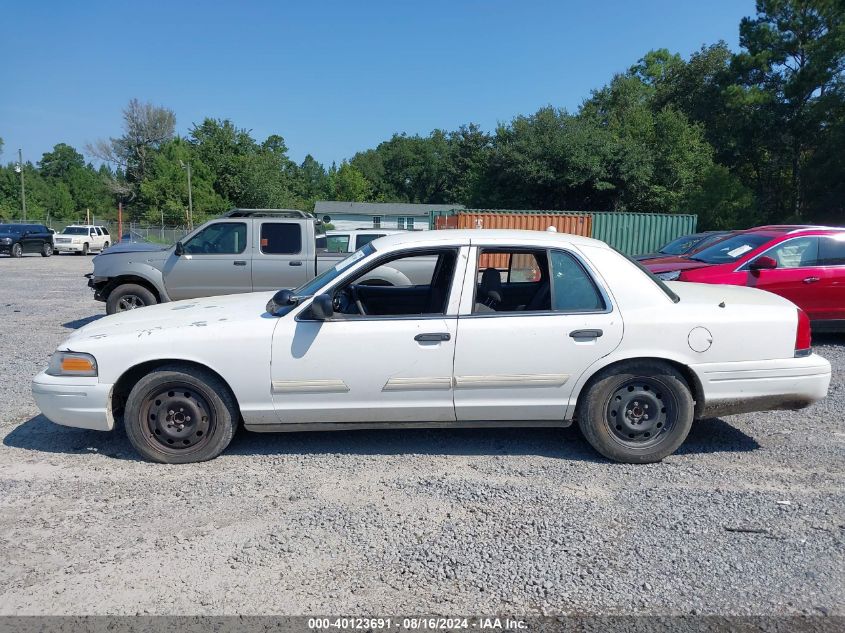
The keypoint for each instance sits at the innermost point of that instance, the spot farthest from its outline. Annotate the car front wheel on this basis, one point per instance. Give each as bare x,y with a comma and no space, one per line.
180,414
16,251
129,297
637,412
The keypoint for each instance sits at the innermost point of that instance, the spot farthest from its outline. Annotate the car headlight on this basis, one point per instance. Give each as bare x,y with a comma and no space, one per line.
72,364
5,240
671,275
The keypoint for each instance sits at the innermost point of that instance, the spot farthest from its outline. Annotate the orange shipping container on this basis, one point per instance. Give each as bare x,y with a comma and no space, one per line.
576,224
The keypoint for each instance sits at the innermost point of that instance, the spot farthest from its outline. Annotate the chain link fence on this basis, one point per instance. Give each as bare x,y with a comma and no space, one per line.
133,231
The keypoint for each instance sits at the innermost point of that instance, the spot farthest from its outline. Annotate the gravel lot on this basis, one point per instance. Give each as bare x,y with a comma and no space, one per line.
749,517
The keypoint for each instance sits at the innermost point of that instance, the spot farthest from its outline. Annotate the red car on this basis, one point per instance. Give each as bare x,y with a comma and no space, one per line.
804,264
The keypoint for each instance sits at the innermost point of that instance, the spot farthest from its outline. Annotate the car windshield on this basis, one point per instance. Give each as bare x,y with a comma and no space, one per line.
329,275
731,249
681,245
75,230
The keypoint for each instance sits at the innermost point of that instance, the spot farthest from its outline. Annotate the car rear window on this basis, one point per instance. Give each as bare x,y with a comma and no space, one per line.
832,251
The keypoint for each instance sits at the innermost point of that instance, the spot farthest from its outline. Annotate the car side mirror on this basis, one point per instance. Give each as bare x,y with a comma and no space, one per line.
763,263
322,308
281,300
180,248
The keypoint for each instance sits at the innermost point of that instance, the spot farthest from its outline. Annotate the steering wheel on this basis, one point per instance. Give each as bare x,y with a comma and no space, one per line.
344,300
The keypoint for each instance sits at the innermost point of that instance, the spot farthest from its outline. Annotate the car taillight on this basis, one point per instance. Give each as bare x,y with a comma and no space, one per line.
803,339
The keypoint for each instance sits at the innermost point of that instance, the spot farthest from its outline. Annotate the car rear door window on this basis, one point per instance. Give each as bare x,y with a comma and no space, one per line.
573,290
281,238
832,251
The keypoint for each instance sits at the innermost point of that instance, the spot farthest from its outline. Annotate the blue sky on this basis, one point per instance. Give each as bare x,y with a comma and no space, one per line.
331,77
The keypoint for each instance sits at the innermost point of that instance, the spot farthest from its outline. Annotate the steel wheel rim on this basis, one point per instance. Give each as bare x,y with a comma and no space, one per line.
129,302
641,413
177,418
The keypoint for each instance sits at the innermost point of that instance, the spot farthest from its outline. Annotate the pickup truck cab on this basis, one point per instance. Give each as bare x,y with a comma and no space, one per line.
82,239
246,250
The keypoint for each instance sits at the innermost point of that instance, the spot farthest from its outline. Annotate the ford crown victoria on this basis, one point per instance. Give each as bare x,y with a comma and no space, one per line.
506,328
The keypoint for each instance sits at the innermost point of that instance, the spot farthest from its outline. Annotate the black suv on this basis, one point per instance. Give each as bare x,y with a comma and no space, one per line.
17,239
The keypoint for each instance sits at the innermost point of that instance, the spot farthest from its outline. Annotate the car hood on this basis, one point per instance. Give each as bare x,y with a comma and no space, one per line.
644,256
666,264
174,316
134,247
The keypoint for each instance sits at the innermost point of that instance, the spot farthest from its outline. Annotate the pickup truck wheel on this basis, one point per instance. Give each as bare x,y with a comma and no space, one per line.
85,248
46,250
179,414
637,413
129,297
16,251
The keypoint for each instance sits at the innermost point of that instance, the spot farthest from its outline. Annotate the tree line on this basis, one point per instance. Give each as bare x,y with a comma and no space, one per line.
740,139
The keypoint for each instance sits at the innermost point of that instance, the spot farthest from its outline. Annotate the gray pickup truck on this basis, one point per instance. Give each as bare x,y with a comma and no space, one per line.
246,250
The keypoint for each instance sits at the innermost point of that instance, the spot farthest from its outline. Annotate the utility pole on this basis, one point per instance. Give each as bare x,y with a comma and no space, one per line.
187,167
23,189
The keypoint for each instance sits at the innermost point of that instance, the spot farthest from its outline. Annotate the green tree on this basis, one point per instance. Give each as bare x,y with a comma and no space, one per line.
350,184
164,192
791,82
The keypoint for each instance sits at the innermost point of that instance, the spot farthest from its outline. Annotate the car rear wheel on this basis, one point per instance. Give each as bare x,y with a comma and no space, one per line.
16,251
129,297
637,412
105,246
46,250
85,248
179,414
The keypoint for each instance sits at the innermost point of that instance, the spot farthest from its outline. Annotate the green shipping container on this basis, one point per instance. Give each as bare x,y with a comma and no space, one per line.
638,233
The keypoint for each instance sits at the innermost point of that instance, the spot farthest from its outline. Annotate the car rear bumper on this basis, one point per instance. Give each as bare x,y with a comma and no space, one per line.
741,387
79,402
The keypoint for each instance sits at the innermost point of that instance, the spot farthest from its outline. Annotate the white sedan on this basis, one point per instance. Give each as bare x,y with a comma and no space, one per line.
510,328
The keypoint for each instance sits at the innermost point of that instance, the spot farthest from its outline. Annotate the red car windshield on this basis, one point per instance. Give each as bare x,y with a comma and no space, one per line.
731,249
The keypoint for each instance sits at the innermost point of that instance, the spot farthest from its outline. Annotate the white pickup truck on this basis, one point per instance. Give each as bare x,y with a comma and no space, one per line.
351,241
246,250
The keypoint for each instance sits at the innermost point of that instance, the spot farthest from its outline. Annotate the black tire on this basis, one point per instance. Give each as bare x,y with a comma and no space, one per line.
129,297
105,246
46,249
17,250
637,412
85,248
179,414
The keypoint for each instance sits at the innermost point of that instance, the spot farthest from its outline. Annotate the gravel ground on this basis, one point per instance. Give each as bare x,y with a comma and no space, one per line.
748,518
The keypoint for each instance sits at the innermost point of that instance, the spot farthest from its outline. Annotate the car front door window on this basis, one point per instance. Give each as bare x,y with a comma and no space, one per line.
223,238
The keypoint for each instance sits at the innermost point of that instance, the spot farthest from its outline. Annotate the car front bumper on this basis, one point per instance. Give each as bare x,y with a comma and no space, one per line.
79,402
68,248
742,387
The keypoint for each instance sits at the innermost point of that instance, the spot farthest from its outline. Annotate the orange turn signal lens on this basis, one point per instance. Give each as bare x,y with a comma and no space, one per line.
77,364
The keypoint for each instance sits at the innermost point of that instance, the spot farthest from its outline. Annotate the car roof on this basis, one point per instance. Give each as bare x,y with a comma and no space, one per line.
478,236
780,229
362,231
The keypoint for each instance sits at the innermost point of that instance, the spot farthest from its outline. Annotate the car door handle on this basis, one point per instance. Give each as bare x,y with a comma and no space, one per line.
240,262
295,262
810,280
433,336
585,333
